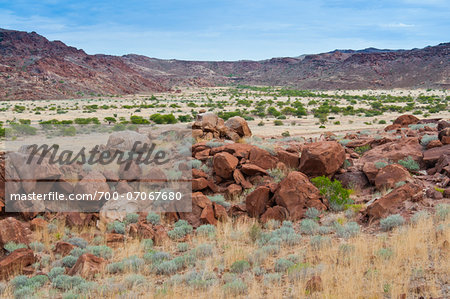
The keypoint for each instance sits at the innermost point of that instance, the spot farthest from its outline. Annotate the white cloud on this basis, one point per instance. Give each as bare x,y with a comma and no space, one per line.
398,25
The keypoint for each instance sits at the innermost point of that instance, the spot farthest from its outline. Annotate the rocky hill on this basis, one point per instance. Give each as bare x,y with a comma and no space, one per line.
31,67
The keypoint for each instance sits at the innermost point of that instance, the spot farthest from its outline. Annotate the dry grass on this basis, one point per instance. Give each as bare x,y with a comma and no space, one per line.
412,260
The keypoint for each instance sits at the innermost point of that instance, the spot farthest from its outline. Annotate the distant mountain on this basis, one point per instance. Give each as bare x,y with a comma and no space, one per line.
31,67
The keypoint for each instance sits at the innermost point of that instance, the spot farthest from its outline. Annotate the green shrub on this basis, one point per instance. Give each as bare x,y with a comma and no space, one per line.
131,218
11,246
207,230
277,122
235,287
66,282
380,164
55,272
337,195
102,251
182,247
153,218
77,241
362,149
37,246
391,222
427,138
147,244
117,227
308,226
181,229
240,266
69,261
442,211
312,213
348,230
409,164
282,265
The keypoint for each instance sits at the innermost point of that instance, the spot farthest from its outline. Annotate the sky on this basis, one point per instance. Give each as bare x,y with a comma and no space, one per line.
231,29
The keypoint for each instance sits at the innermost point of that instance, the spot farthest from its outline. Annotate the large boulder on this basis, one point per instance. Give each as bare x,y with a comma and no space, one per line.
262,158
392,202
431,156
390,175
406,120
13,230
238,125
353,180
296,193
224,164
322,158
14,263
257,201
291,160
202,211
87,266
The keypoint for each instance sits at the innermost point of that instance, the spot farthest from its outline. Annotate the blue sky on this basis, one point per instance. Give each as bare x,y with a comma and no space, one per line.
231,29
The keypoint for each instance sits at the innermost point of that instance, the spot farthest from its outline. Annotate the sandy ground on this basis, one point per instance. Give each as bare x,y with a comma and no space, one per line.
306,126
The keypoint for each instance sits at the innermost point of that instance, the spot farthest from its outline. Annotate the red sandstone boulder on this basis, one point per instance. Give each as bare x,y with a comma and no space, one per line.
257,201
63,248
406,120
296,193
233,191
87,266
262,158
276,213
224,164
392,202
240,179
390,175
431,156
322,158
291,160
15,262
251,169
444,136
13,230
239,125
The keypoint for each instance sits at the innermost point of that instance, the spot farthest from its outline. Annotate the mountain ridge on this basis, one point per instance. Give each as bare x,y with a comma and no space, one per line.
32,67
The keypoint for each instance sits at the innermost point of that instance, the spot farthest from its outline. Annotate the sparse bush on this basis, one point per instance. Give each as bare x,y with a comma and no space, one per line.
380,164
419,216
131,218
277,174
282,265
156,257
272,224
391,222
147,244
235,287
166,268
181,229
133,263
240,266
278,122
219,199
337,195
55,272
102,251
117,227
69,261
427,138
312,213
207,230
309,226
385,253
409,164
66,282
348,230
153,218
114,268
132,280
11,246
442,211
77,241
182,247
37,246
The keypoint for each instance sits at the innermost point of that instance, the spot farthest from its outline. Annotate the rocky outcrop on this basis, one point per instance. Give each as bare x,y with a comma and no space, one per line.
296,193
13,230
13,264
390,175
208,126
